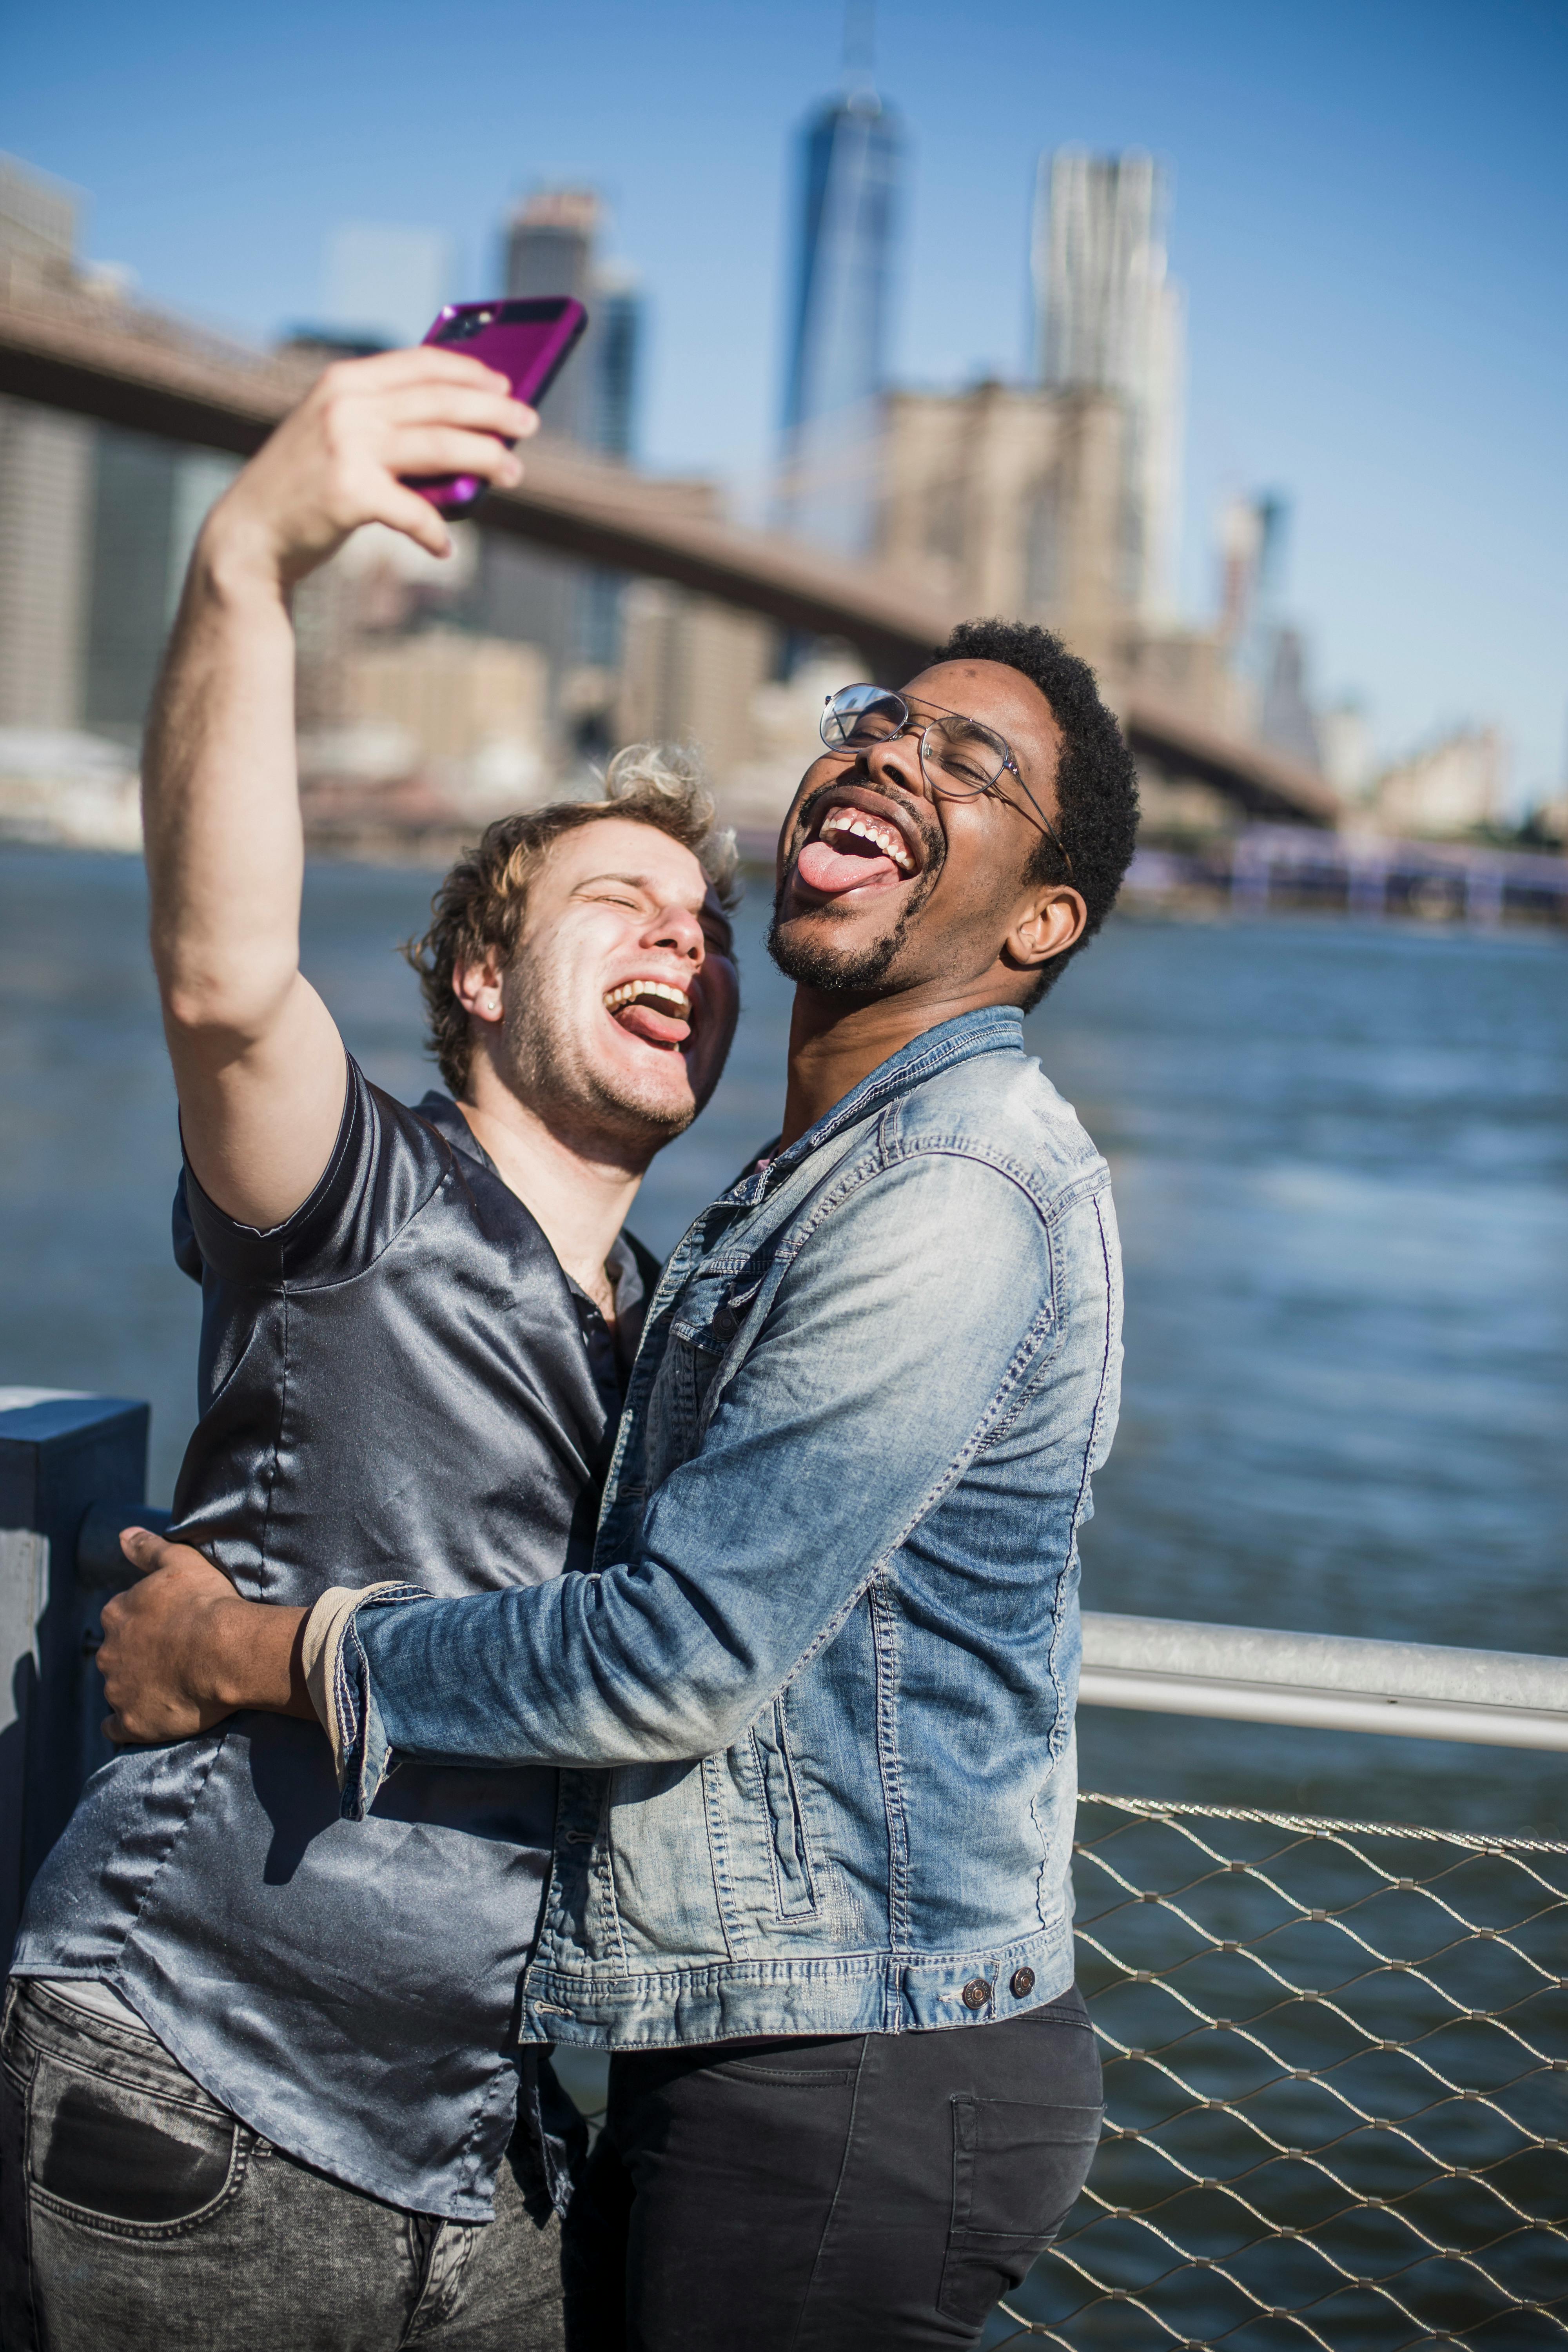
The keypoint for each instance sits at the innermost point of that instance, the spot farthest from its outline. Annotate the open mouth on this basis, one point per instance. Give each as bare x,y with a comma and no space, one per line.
860,841
656,1011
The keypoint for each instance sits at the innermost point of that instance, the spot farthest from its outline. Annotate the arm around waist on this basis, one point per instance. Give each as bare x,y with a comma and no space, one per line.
897,1336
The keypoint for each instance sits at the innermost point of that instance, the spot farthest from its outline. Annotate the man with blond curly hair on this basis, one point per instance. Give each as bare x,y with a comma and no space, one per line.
263,2079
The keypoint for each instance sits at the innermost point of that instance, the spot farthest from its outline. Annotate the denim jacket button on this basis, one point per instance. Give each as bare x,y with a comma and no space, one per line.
976,1993
1023,1983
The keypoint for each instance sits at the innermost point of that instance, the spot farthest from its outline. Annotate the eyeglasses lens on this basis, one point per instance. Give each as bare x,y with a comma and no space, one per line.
967,757
859,715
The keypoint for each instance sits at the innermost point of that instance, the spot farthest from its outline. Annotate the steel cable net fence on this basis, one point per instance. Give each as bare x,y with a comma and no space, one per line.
1336,2066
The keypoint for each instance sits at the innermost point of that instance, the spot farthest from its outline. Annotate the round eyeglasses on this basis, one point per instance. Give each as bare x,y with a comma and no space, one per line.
959,759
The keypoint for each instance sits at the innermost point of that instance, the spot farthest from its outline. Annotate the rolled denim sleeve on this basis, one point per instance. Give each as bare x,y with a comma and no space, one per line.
339,1687
892,1342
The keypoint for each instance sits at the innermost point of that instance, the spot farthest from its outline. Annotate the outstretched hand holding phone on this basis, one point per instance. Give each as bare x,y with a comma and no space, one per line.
529,340
344,456
257,1060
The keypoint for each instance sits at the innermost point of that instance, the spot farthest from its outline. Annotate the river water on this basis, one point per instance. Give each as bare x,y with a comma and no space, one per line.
1339,1154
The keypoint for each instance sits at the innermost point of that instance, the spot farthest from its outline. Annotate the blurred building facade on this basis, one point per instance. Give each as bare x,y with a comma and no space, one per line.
1006,500
690,675
39,218
150,499
850,168
1448,788
46,488
412,718
46,502
1268,652
96,524
691,667
1108,320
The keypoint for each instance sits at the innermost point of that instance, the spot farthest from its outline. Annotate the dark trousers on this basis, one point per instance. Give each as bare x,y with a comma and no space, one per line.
871,2193
141,2216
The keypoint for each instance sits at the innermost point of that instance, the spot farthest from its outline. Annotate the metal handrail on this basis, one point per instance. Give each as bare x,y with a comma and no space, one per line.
1329,1681
1169,1665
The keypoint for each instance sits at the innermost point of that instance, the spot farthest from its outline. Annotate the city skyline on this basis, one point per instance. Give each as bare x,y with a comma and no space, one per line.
1370,222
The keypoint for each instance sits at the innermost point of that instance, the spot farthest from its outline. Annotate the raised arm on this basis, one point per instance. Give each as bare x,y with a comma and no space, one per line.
258,1064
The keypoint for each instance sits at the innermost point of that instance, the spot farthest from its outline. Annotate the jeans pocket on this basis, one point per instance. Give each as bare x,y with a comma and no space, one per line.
789,2078
124,2159
1017,2169
803,2062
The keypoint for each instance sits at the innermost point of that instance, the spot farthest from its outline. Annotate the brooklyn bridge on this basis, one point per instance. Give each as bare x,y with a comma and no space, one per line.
121,364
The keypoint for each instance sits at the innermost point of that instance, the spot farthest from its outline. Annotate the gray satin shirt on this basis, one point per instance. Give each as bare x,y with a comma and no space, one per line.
400,1377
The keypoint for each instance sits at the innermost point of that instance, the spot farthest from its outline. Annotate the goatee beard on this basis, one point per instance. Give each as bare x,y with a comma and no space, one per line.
841,971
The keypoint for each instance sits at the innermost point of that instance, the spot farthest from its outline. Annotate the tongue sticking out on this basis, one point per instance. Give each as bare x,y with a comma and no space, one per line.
653,1025
834,870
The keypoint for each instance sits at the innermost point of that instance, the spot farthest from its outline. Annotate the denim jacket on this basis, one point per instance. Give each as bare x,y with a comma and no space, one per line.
813,1704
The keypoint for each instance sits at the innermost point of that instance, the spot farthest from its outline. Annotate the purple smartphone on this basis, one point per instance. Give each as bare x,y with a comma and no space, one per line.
529,341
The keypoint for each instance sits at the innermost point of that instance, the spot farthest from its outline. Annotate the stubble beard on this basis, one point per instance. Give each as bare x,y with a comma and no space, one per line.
595,1110
844,972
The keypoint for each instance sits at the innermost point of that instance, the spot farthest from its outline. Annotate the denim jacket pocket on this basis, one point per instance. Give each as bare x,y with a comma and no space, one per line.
690,1358
793,1889
675,1409
699,1344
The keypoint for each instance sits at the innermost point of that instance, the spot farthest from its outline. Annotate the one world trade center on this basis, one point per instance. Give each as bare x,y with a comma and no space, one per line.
836,345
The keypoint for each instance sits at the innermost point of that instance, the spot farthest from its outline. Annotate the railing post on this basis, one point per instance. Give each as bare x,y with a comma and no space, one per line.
59,1453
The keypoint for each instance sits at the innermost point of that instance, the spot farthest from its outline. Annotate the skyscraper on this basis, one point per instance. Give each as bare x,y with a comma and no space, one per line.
45,506
551,248
851,161
1268,654
615,355
1108,319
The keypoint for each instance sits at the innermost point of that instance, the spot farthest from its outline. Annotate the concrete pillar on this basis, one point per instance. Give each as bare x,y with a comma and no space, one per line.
59,1453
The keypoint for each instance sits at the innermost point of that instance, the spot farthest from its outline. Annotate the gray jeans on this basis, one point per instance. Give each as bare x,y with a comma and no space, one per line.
141,2216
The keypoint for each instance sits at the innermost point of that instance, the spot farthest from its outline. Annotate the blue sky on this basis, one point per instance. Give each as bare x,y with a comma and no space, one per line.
1371,220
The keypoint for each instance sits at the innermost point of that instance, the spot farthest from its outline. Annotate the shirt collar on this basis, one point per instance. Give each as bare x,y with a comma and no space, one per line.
994,1029
441,1112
